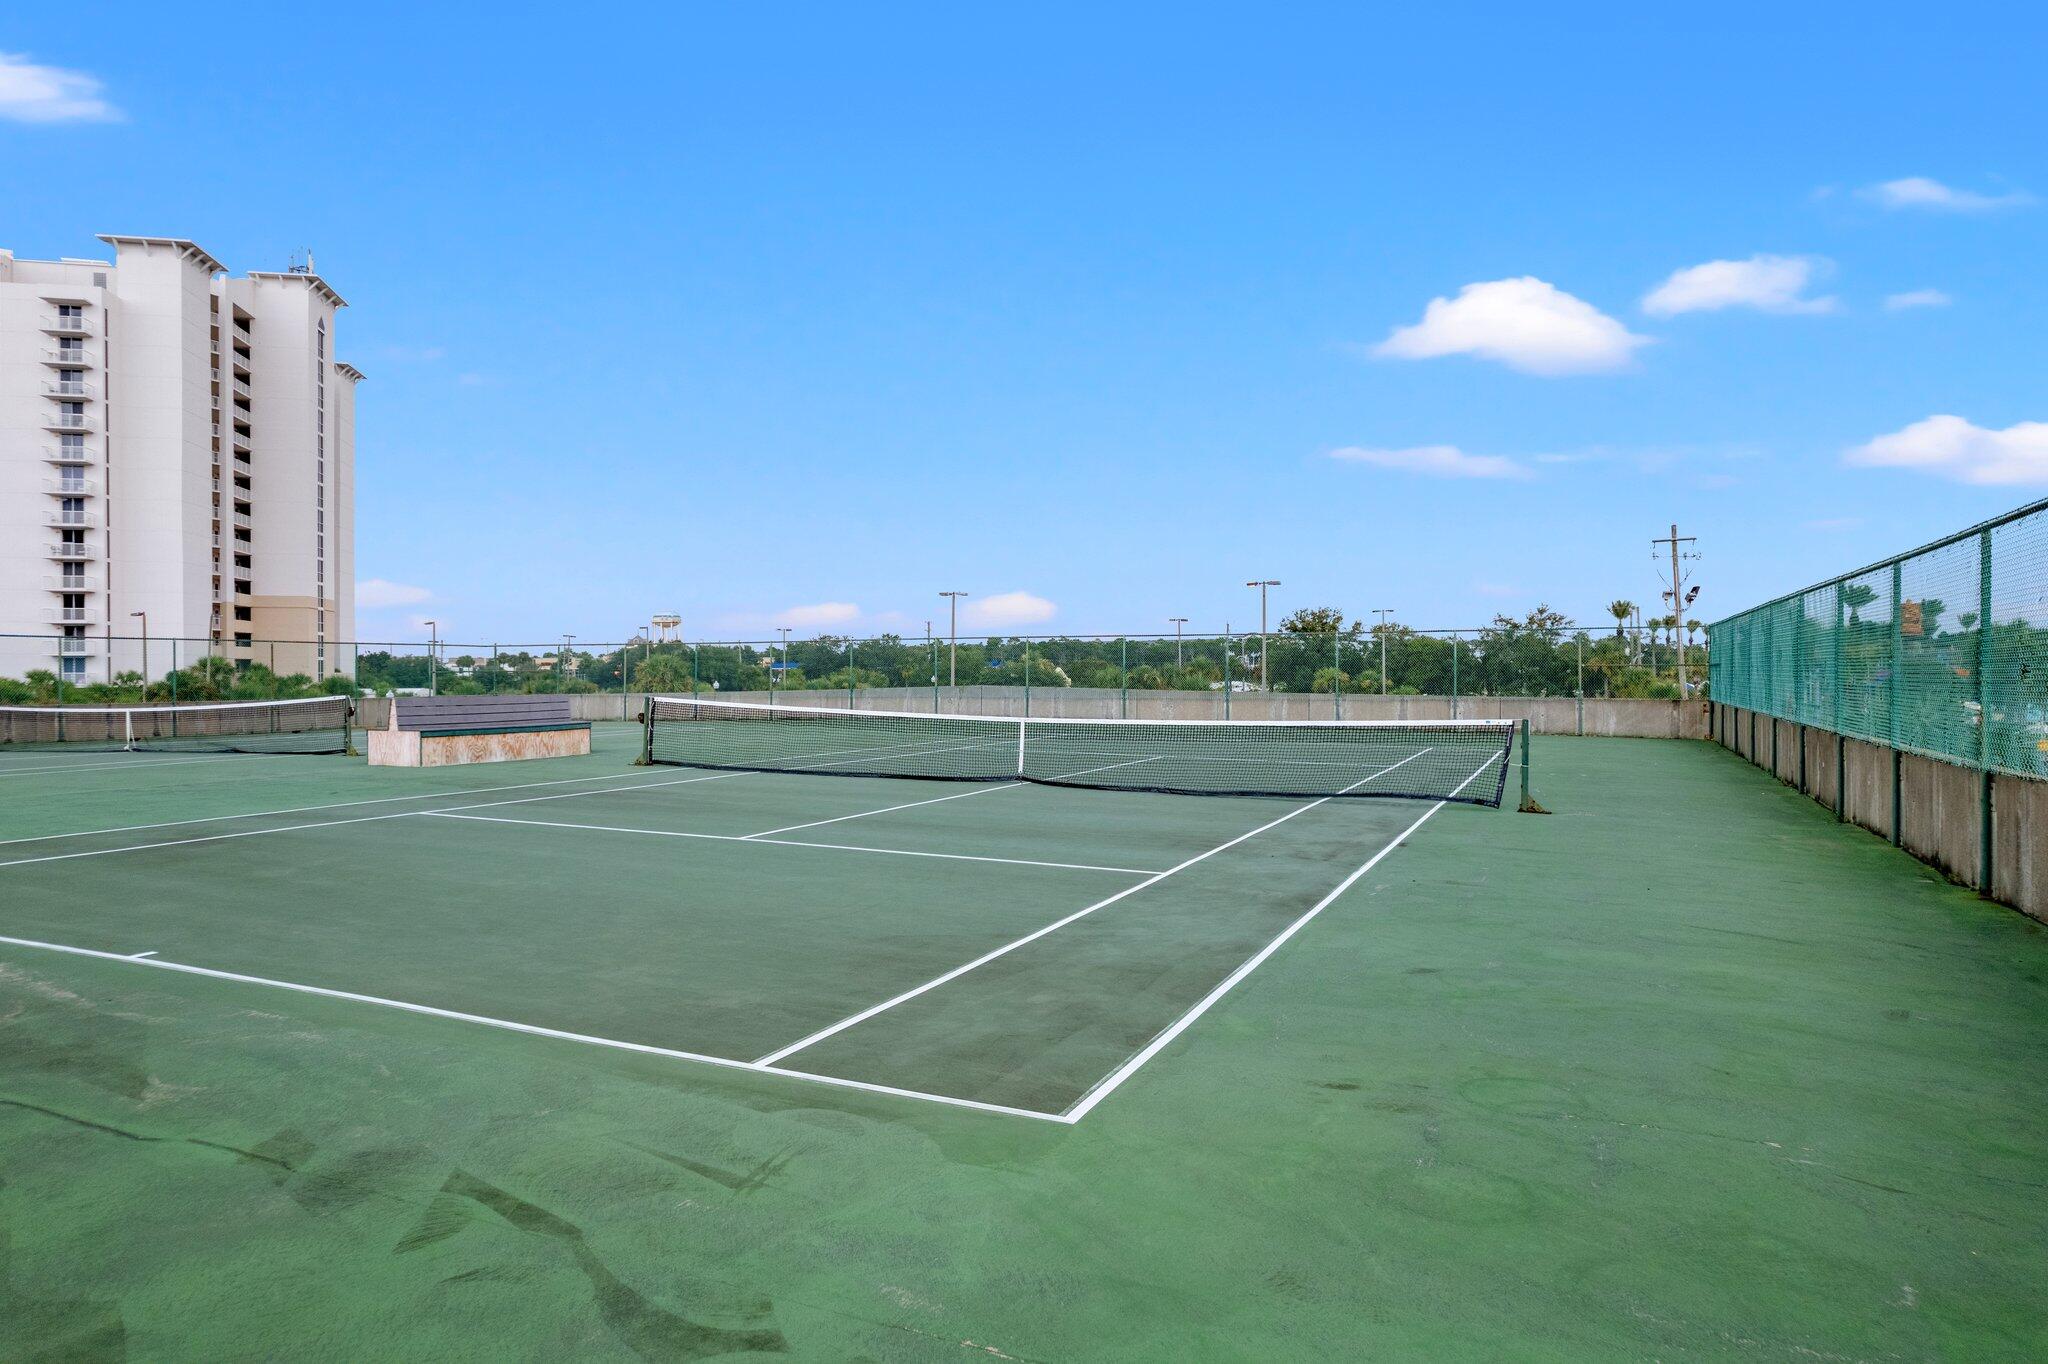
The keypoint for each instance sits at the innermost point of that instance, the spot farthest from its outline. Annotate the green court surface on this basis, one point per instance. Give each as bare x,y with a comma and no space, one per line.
571,1058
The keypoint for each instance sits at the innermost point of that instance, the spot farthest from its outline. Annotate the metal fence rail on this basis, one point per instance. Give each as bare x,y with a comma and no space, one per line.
1942,651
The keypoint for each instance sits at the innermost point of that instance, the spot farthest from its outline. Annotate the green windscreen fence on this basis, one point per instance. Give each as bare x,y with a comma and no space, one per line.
1942,652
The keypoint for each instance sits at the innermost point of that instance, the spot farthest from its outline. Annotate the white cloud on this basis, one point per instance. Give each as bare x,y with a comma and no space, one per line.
1526,324
1917,298
376,593
1007,608
1917,191
1438,461
818,614
50,94
1772,284
1953,448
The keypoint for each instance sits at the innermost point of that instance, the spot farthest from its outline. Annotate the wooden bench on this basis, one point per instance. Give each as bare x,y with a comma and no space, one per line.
441,731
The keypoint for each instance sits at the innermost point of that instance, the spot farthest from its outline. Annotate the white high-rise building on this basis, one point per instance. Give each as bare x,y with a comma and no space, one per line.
177,451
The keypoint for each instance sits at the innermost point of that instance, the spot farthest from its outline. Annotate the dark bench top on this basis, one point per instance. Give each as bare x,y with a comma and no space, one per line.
482,714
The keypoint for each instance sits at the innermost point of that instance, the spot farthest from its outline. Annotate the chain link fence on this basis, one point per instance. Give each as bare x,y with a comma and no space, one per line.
1942,651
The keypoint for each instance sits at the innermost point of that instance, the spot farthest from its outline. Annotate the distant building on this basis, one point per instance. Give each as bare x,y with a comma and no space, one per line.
176,442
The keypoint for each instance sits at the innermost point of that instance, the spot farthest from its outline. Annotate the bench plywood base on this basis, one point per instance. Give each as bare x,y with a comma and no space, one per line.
414,748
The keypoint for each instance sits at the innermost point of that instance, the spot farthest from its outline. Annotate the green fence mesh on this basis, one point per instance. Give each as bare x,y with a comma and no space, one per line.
1942,652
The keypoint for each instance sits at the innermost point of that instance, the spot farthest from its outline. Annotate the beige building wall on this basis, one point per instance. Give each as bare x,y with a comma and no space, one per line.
178,443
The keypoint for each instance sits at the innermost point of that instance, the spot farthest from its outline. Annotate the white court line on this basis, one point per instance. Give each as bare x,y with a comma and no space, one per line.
139,956
888,809
530,1029
1009,947
787,843
359,819
958,795
130,763
311,809
1104,1087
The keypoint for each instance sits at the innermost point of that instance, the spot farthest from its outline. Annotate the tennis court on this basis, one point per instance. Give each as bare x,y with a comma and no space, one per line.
675,1061
937,942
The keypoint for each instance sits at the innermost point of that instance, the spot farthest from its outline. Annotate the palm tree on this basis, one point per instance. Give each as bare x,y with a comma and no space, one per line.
1692,628
1621,611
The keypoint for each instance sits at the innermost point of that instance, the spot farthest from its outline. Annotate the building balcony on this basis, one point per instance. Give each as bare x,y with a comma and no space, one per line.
76,388
240,360
70,582
67,326
73,648
241,387
73,552
242,327
72,487
72,615
62,516
241,519
67,454
67,421
67,356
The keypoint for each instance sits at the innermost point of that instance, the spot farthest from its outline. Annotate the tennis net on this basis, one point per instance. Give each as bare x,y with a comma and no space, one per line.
1454,760
317,724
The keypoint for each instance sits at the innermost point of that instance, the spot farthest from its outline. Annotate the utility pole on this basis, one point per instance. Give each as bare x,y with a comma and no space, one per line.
1383,612
1265,674
433,640
953,637
1679,598
1178,621
145,651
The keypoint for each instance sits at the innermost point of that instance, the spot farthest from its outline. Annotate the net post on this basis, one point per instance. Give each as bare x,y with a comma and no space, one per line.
646,758
1528,805
1020,747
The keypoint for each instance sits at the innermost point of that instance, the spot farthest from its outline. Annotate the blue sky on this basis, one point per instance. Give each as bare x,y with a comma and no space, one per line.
804,315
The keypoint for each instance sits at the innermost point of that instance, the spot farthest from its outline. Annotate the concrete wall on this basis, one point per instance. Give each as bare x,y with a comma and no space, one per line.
1939,805
1867,786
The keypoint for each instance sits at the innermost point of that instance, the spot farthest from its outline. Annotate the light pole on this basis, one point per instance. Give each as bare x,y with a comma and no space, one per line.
1383,612
1178,621
433,639
1265,673
646,653
145,651
784,629
953,637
